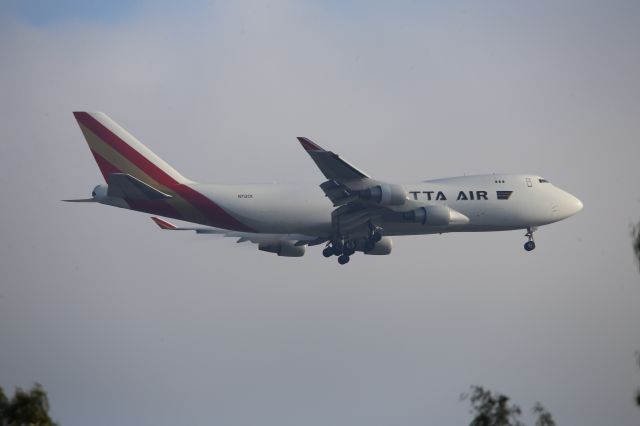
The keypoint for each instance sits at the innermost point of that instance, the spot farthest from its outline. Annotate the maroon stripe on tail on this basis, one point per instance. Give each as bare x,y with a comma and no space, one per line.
126,150
106,168
213,212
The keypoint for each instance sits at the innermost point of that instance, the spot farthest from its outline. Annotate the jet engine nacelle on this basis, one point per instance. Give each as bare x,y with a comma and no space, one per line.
385,194
382,247
429,215
282,248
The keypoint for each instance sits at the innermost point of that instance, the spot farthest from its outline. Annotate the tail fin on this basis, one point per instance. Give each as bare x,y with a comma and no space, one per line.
117,151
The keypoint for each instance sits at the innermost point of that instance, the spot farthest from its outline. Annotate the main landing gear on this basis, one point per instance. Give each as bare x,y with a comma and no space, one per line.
344,248
529,245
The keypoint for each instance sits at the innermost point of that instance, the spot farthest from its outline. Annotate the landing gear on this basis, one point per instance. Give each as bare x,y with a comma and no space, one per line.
375,233
337,247
529,245
349,248
344,247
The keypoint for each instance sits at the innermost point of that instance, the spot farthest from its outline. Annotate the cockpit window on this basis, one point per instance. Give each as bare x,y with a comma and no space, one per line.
543,181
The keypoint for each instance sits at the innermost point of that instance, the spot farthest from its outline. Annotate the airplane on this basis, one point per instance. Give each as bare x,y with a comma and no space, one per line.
348,212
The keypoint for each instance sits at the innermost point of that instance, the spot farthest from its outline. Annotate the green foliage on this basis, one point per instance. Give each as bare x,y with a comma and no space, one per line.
638,391
25,408
489,409
4,403
544,417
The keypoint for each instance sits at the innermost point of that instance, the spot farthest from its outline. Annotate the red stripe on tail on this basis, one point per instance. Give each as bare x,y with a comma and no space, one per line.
106,168
213,212
128,152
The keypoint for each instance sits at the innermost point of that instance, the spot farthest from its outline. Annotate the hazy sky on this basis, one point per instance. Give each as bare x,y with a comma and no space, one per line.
125,324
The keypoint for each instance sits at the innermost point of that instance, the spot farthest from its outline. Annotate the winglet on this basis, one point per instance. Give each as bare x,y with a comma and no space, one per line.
308,145
163,223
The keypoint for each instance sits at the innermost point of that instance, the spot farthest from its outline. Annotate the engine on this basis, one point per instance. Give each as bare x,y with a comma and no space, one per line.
382,247
429,215
385,194
282,248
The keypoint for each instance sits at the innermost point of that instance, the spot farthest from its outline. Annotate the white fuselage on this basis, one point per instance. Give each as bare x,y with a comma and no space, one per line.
349,211
491,202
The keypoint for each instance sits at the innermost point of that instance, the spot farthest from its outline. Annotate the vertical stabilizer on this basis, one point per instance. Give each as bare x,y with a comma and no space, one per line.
117,151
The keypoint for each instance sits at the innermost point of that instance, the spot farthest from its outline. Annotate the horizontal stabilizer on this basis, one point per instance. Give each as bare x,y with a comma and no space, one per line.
122,185
81,200
163,223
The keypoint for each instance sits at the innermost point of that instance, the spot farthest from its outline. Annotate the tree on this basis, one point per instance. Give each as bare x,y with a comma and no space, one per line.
491,409
4,403
25,408
544,416
638,390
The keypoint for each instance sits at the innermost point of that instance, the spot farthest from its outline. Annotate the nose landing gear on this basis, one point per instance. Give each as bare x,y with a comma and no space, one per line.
529,245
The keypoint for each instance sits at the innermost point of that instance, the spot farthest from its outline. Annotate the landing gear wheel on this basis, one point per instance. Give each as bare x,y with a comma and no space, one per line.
328,251
529,245
376,237
342,259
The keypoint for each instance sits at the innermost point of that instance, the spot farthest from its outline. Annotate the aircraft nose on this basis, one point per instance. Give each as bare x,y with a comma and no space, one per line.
574,205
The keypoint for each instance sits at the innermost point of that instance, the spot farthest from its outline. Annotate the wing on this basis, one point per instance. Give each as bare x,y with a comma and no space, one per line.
330,164
359,198
362,200
291,245
344,179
